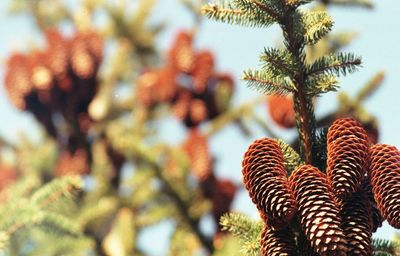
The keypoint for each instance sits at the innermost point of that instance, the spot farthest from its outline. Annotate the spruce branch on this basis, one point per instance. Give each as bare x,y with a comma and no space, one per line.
321,84
304,108
370,87
245,109
140,151
316,25
278,61
353,3
58,224
230,13
56,189
341,63
383,247
291,157
265,82
247,230
296,3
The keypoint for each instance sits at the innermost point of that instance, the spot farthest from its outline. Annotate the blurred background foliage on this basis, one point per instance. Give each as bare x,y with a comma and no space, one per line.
126,128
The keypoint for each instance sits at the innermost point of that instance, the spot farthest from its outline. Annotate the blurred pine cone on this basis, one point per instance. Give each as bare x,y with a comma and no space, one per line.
61,78
281,110
203,70
264,176
278,242
384,175
347,156
8,175
357,224
72,163
196,147
181,55
17,79
222,197
156,86
319,215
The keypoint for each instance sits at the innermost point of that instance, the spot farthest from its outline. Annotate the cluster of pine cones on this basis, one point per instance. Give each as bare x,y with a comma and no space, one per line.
56,84
325,212
189,82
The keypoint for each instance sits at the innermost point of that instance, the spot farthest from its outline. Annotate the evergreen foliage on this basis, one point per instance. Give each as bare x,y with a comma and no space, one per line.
301,71
247,230
130,179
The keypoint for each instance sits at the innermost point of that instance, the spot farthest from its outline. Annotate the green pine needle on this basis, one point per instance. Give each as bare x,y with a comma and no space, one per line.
383,247
291,157
58,188
316,24
321,84
355,3
341,63
264,81
279,62
58,224
247,230
240,12
296,3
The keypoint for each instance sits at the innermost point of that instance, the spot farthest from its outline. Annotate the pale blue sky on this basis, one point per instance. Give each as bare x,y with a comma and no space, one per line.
236,49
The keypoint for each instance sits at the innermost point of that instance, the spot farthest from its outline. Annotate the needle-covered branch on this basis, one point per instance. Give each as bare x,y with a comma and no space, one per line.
338,64
265,82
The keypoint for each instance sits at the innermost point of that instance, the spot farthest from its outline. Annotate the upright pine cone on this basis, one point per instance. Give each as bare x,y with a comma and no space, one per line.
347,156
264,176
376,215
319,216
278,243
384,173
357,224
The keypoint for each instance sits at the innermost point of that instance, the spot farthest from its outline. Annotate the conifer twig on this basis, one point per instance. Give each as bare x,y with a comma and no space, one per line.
305,118
183,207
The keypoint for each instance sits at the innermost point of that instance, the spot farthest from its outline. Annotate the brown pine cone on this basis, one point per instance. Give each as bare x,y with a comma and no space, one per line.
17,81
347,156
319,215
384,175
376,216
203,69
278,243
222,198
82,63
196,147
357,224
72,164
8,175
305,248
181,55
281,110
264,176
345,126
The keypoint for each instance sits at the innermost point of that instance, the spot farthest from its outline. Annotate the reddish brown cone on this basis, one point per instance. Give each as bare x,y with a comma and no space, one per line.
357,224
319,215
384,173
281,110
278,243
203,69
196,147
376,215
347,156
72,164
264,177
